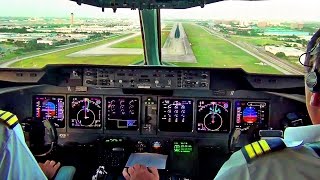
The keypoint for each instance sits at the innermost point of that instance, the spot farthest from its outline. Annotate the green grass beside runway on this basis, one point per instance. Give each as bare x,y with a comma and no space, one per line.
257,41
98,60
211,51
136,42
61,57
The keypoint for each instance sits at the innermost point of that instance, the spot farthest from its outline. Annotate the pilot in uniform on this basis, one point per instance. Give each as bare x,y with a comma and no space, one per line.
16,160
294,157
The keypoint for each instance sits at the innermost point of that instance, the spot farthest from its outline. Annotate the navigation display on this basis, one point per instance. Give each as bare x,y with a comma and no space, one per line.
122,113
176,115
85,112
249,113
49,108
213,116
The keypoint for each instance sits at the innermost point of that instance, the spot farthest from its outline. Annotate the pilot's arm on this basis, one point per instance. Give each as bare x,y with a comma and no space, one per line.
16,160
235,168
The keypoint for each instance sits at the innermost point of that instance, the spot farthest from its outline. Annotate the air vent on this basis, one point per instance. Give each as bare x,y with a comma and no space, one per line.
273,81
257,80
33,74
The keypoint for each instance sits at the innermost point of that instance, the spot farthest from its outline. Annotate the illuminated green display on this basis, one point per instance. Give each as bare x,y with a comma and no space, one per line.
182,147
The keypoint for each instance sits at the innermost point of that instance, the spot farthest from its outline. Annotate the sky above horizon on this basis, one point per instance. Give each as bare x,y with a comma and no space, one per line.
296,10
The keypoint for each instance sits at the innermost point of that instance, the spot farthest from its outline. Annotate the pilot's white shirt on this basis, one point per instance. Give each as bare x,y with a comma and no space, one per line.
296,163
16,160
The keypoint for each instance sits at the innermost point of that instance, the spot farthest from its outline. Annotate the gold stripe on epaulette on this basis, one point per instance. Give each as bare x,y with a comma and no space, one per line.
9,119
5,116
265,146
257,148
12,120
250,151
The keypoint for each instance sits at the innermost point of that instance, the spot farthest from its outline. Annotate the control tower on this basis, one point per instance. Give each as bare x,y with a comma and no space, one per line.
72,19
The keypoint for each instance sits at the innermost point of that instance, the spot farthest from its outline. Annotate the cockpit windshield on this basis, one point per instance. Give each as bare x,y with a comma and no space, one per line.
265,37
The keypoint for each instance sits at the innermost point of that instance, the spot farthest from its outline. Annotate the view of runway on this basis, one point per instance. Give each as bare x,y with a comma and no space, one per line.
106,49
176,49
177,46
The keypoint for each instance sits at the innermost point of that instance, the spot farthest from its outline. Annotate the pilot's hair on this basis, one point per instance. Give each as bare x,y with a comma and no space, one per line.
311,48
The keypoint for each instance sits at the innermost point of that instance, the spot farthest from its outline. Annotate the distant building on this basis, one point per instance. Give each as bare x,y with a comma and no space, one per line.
288,51
299,25
274,23
45,41
22,39
262,24
227,22
244,23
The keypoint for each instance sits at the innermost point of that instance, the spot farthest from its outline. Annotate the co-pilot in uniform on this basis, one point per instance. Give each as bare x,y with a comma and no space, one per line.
296,157
16,160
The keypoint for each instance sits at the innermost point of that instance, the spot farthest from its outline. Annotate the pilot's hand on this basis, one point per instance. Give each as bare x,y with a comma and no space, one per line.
140,172
49,168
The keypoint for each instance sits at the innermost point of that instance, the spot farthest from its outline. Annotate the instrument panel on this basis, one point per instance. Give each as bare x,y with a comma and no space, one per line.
146,78
186,113
123,113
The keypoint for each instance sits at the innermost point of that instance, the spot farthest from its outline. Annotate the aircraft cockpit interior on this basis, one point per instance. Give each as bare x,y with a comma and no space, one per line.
179,82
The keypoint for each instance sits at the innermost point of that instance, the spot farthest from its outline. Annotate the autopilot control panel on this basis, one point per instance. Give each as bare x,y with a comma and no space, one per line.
146,78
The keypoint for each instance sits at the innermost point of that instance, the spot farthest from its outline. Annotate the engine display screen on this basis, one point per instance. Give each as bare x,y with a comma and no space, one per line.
122,113
213,116
249,113
50,108
182,146
85,112
176,115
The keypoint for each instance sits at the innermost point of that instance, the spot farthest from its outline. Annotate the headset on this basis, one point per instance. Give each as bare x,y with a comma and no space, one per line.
313,75
35,132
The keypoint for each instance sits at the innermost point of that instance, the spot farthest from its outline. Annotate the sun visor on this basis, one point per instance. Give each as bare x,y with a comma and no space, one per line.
146,4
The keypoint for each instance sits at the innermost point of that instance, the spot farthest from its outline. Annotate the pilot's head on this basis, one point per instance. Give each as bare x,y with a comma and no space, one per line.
312,78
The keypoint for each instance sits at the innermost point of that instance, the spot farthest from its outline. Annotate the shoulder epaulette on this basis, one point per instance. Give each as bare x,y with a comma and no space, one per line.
9,119
259,148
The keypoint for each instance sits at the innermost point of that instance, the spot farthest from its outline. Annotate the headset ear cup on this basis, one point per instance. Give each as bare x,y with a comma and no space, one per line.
312,81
